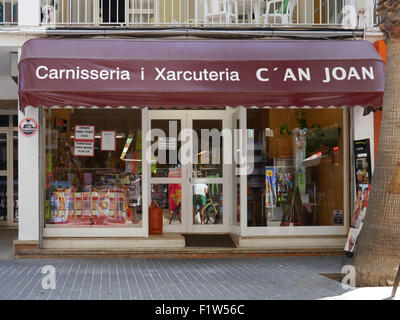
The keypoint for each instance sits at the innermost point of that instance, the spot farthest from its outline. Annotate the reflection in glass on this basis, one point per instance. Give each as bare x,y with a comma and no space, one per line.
207,147
15,121
4,120
298,168
165,146
3,198
103,190
207,203
169,198
3,151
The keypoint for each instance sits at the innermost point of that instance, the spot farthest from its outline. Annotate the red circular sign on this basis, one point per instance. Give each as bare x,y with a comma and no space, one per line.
28,127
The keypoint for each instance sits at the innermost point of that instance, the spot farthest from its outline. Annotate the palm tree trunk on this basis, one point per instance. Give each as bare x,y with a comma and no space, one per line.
377,253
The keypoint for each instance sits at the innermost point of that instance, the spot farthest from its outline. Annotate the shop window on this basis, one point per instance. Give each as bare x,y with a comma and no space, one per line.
4,119
3,151
15,121
93,168
168,197
297,177
166,162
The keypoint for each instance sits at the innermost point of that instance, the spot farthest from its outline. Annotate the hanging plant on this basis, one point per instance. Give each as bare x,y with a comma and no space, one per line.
301,118
323,140
284,129
332,136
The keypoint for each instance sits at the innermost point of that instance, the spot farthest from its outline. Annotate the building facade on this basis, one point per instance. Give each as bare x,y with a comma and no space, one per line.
225,133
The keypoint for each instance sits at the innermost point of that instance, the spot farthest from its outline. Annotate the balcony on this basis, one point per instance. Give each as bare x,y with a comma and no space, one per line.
8,12
230,14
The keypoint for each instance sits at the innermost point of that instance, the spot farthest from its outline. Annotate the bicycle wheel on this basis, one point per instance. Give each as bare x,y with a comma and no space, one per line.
211,214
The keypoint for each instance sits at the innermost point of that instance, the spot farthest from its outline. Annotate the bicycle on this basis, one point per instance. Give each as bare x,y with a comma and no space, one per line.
211,212
176,213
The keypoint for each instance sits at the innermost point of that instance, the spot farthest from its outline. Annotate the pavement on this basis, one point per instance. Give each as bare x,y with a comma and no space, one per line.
7,236
271,278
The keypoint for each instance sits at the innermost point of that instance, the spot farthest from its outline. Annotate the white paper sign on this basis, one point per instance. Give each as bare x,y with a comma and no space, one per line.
108,140
166,143
84,132
84,148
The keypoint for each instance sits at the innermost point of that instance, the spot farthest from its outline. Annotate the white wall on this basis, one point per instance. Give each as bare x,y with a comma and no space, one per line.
8,89
363,128
28,180
29,13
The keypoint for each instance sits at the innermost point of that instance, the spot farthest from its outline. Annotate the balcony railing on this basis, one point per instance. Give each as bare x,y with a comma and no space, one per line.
350,14
8,12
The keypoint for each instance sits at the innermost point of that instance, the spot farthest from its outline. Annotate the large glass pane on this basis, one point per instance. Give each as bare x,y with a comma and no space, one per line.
207,203
168,197
3,198
298,168
165,147
3,151
4,120
207,148
95,183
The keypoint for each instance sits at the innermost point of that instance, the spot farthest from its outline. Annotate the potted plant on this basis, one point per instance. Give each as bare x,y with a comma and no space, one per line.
284,143
322,140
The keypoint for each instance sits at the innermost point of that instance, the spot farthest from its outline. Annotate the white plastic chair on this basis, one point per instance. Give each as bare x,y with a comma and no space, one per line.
275,11
219,11
140,12
48,14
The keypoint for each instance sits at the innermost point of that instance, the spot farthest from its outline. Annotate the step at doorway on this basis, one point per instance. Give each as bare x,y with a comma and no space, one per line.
209,240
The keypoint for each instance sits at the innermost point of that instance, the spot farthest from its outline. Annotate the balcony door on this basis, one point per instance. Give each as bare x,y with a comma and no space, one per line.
112,11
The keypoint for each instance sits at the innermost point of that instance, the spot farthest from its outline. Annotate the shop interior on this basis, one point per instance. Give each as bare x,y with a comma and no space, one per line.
93,180
298,175
207,197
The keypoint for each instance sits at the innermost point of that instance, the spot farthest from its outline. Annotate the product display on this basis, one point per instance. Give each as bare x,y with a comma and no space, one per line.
296,167
103,190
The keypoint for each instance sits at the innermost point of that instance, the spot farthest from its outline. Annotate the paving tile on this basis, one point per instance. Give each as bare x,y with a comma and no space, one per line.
173,279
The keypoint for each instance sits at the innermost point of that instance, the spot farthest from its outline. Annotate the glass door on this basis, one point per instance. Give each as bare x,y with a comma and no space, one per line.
3,178
167,177
210,196
8,171
190,177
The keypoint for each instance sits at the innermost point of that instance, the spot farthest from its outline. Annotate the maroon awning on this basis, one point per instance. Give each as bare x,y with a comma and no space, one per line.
199,73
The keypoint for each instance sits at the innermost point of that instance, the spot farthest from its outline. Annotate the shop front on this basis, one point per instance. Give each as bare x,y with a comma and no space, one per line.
247,138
